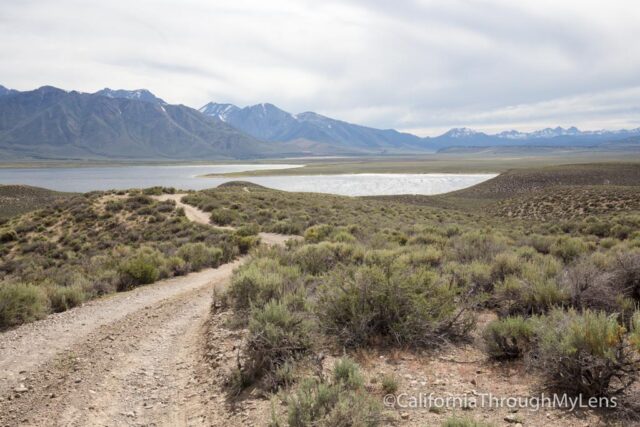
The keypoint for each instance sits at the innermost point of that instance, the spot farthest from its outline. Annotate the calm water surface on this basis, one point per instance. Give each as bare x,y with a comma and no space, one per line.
82,179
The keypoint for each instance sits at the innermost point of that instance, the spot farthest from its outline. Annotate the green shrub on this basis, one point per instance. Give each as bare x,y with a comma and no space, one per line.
317,233
505,264
527,297
608,242
223,216
248,230
177,266
508,338
346,372
335,403
261,280
534,290
478,245
465,422
568,248
277,336
540,243
361,304
199,256
585,353
62,298
245,243
142,268
343,237
389,384
21,303
475,276
286,227
317,258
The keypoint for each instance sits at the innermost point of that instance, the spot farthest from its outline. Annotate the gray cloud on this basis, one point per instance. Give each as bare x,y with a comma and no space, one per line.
420,65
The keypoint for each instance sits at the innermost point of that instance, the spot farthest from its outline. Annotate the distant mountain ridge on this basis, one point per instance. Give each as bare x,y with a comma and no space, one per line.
5,91
270,123
50,123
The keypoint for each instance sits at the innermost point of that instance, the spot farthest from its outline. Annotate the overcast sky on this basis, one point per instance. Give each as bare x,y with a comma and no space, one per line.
421,66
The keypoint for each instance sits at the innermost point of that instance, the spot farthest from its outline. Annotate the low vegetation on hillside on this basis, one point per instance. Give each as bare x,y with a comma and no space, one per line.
18,199
546,194
374,273
86,246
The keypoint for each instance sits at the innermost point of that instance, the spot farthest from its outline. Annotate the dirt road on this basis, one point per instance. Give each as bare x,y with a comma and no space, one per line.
196,215
133,358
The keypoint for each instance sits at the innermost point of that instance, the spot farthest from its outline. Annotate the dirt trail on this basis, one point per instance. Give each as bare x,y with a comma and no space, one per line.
133,358
196,215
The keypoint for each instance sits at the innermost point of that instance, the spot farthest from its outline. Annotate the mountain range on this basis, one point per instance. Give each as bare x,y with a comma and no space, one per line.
51,123
269,123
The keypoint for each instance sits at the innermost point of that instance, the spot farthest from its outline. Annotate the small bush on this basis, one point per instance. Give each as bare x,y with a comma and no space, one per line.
245,243
535,290
346,372
568,248
63,298
335,403
20,303
142,268
626,274
389,384
364,304
317,233
248,230
505,264
465,422
542,244
316,259
508,338
261,280
527,297
478,245
590,287
223,216
277,336
199,256
585,354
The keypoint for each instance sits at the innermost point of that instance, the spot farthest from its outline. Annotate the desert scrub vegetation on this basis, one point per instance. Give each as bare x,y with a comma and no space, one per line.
366,304
278,336
75,249
587,353
382,273
340,400
509,338
465,422
18,199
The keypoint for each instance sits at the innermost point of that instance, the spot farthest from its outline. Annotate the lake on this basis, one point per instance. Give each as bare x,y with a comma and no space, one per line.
189,177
